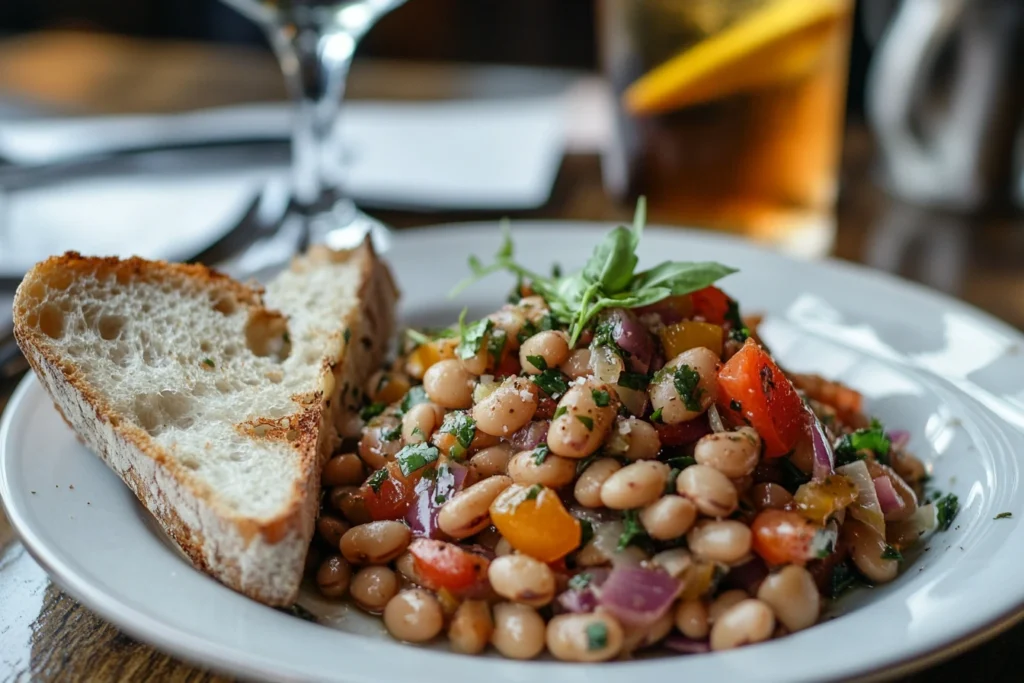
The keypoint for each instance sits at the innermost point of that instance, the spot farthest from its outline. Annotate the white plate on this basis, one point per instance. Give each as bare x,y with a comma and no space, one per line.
952,376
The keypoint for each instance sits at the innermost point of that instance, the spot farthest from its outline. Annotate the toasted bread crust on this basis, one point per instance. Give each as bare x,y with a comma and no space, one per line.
260,558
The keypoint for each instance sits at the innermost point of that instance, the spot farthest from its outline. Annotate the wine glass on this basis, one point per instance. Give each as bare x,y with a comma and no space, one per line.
314,41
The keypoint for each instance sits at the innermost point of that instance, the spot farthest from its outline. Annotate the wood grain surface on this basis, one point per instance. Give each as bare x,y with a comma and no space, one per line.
46,635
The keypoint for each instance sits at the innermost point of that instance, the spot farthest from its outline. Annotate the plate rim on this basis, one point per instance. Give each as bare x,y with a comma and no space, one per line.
186,645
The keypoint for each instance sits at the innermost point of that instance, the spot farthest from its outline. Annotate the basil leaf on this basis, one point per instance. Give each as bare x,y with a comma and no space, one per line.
612,264
460,425
416,456
680,277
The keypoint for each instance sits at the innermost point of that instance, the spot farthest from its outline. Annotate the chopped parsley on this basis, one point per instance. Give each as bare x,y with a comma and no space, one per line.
637,381
373,410
872,439
392,434
551,382
559,412
891,553
587,422
471,337
632,530
947,508
1003,515
496,344
460,425
739,331
416,456
687,383
540,454
533,492
413,397
208,362
377,479
580,581
597,636
844,577
601,397
538,362
681,462
656,416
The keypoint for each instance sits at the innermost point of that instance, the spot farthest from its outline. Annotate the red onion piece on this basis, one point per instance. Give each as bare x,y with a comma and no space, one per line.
748,576
632,337
824,459
899,438
888,499
531,436
422,514
683,433
638,597
585,599
687,646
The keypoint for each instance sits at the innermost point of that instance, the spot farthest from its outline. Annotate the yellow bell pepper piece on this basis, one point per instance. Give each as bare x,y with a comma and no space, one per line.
392,389
688,335
780,42
425,355
534,522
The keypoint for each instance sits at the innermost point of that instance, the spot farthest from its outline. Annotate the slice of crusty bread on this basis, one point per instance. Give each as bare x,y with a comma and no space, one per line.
216,409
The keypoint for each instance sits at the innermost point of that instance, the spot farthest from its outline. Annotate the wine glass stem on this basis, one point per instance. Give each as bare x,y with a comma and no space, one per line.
315,62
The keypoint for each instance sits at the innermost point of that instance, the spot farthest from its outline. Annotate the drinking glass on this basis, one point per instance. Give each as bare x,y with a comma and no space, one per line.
729,112
314,41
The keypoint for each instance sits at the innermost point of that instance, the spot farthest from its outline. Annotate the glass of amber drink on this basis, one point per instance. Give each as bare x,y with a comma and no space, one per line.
729,113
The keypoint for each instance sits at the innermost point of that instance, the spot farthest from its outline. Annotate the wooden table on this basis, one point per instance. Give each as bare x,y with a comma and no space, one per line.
47,635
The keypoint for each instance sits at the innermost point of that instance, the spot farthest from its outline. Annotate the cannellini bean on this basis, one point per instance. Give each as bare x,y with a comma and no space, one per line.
491,461
595,637
405,564
692,619
375,542
552,346
420,421
519,631
734,454
723,602
467,511
449,385
585,415
866,548
675,561
507,408
343,470
413,615
577,364
334,576
553,471
471,627
668,517
510,319
725,541
749,621
373,587
793,597
349,501
642,440
522,579
588,486
701,392
331,528
635,485
710,490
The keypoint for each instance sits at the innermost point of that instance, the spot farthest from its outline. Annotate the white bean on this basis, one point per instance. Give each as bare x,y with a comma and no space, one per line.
585,416
507,408
551,346
697,371
553,471
467,511
449,385
668,517
725,541
414,616
522,579
793,597
519,631
734,454
588,486
635,485
595,637
710,490
750,621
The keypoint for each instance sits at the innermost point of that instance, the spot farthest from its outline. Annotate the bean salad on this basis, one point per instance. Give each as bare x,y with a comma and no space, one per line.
611,462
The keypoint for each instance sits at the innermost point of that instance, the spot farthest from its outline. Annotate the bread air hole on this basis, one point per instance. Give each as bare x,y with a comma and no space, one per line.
51,321
266,335
110,326
167,409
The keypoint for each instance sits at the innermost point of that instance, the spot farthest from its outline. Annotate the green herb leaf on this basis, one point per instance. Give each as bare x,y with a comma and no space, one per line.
533,492
680,277
580,581
538,362
844,577
633,531
670,483
586,531
891,553
413,397
208,362
371,411
634,380
440,499
559,412
471,337
377,479
612,263
1003,515
681,462
347,335
872,439
687,383
739,331
656,416
601,397
947,509
416,456
393,434
587,422
496,344
460,425
792,476
540,453
552,382
597,636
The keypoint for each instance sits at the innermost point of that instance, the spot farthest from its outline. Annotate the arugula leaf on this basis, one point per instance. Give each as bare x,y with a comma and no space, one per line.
416,456
551,382
680,277
460,425
687,383
471,337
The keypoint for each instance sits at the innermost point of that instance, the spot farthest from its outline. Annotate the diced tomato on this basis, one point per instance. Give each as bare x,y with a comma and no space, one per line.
711,303
682,433
443,565
752,388
783,537
508,366
393,496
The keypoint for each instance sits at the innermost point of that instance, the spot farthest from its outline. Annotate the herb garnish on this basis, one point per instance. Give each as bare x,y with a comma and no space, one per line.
471,337
656,416
540,454
580,581
947,508
1003,515
843,578
872,439
559,412
392,434
739,331
597,636
533,492
687,383
681,462
608,280
208,362
371,411
634,380
377,479
601,397
632,530
413,397
891,553
496,344
552,382
460,425
416,456
538,362
587,422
